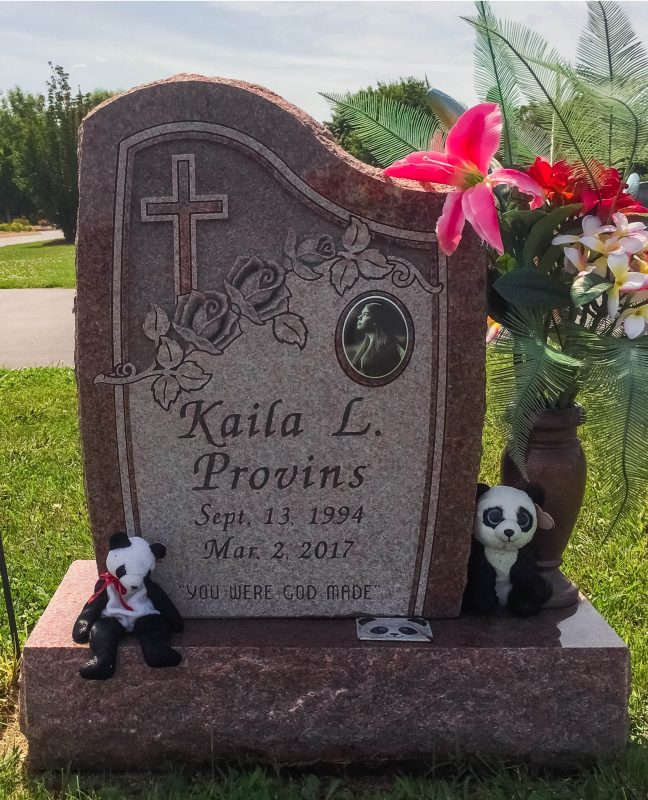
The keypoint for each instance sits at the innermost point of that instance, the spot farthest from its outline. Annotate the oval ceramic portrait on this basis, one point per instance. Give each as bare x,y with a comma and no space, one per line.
374,339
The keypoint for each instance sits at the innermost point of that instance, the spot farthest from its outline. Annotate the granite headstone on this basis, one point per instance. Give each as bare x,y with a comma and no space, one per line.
280,375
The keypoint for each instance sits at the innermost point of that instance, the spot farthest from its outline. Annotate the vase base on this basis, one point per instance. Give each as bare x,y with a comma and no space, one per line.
565,593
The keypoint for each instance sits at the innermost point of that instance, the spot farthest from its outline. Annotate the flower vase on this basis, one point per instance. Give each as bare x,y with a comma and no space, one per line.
556,462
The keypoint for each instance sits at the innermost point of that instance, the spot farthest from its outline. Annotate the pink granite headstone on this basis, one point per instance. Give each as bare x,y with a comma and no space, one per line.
280,375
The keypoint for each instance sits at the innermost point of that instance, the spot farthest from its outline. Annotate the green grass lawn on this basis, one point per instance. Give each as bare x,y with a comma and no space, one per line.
37,265
45,527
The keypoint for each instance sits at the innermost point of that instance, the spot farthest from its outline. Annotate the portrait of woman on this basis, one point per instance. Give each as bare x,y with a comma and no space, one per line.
375,337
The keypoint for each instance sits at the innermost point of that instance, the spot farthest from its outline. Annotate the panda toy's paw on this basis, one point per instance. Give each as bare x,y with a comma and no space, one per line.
81,632
97,669
153,632
523,607
161,656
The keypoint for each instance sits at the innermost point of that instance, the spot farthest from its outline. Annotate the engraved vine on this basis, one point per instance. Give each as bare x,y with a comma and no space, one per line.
255,289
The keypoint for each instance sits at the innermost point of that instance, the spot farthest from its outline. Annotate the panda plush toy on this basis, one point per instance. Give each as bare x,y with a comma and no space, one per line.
126,600
502,569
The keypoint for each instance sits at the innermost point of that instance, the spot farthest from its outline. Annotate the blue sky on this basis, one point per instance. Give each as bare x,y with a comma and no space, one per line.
293,48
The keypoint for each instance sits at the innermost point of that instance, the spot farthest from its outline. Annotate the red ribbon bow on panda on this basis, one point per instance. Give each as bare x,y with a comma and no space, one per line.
111,580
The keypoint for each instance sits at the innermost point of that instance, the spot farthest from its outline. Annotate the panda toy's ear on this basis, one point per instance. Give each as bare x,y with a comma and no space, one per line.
537,494
482,488
158,550
118,540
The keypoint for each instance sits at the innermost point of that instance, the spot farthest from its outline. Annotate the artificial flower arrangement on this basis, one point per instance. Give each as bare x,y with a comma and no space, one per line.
567,243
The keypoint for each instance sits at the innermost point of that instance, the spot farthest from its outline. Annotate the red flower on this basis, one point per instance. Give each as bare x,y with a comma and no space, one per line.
612,197
558,180
564,183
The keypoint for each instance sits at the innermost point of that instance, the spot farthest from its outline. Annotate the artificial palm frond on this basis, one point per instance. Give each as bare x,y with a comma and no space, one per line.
586,115
387,128
621,120
495,83
555,106
615,396
611,57
609,52
529,376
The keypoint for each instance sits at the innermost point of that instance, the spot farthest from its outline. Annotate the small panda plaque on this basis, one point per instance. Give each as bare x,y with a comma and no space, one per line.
393,629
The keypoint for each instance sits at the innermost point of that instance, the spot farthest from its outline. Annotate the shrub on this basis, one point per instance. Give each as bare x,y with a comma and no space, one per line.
17,225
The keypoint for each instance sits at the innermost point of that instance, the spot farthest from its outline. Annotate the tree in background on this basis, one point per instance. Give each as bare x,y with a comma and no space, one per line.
348,109
14,202
41,136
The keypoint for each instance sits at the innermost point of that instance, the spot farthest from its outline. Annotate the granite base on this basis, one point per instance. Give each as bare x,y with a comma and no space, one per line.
552,690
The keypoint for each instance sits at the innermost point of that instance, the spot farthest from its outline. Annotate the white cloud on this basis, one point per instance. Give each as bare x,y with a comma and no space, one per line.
295,49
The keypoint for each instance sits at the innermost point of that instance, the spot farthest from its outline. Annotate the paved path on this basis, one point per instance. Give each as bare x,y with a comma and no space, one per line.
23,238
36,327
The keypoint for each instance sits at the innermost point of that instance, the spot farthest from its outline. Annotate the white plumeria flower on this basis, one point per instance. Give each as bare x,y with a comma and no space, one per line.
625,228
624,281
635,321
591,227
629,238
575,258
615,243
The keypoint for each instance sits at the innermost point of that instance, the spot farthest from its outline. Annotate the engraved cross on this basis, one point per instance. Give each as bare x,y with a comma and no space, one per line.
184,208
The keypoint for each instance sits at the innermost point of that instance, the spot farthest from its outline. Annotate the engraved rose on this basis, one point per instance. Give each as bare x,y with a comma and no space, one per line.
206,320
304,257
314,251
257,287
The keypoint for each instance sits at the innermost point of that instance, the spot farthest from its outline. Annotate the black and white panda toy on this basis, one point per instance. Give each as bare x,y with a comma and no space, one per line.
502,570
127,600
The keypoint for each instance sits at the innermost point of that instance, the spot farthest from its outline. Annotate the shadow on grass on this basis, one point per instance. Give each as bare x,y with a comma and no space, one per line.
625,777
53,242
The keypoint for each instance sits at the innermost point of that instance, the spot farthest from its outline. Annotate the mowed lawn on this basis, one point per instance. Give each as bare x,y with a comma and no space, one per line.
37,265
45,527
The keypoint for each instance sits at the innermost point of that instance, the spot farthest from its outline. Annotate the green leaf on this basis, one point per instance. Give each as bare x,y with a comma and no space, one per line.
522,220
528,376
588,288
543,232
553,254
532,289
505,263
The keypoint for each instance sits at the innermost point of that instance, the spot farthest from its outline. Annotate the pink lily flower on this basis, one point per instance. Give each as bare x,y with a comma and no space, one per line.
469,149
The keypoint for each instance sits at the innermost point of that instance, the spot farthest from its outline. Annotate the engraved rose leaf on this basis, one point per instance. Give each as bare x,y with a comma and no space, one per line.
289,250
191,376
373,264
199,342
305,271
165,391
344,274
156,323
246,309
357,236
290,328
169,353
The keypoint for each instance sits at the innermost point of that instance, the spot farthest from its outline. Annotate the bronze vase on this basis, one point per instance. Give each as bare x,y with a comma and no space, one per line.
555,461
